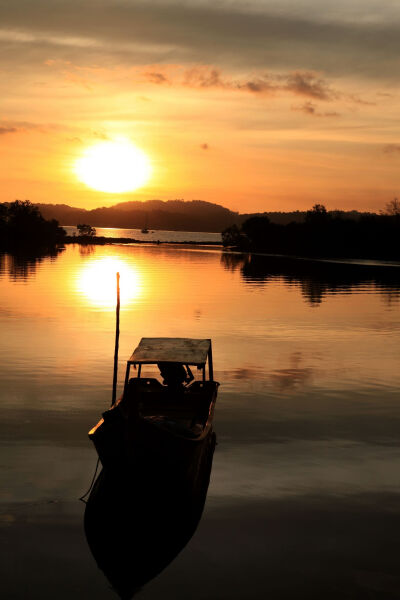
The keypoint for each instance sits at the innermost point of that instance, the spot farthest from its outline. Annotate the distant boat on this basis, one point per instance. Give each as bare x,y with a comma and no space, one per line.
145,228
165,425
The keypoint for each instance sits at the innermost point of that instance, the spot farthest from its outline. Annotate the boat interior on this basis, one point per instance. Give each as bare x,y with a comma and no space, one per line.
190,405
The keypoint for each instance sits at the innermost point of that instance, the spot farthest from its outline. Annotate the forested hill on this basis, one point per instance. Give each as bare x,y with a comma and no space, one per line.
174,215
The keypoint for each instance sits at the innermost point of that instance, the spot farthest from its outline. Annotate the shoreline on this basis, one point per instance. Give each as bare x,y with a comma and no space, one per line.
101,241
366,262
329,262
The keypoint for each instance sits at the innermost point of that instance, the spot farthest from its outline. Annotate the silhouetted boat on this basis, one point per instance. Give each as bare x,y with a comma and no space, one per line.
165,426
156,445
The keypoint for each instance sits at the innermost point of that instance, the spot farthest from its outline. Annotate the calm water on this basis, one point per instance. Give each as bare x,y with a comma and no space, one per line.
304,497
153,235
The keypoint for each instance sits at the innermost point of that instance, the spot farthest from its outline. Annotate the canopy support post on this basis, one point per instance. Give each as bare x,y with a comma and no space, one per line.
210,364
114,390
128,367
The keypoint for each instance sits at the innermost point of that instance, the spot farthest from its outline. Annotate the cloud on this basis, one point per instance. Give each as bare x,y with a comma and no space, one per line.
158,78
11,126
309,108
235,34
18,126
357,100
391,149
300,83
258,86
307,83
101,135
5,130
204,77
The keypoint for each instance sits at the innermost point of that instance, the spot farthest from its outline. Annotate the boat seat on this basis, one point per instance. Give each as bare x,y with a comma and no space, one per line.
191,409
190,406
144,384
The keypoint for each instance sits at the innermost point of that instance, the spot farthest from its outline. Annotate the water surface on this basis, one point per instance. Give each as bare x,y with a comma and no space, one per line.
153,235
304,493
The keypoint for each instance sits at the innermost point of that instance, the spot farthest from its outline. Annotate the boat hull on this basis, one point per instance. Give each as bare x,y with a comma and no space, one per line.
144,446
126,439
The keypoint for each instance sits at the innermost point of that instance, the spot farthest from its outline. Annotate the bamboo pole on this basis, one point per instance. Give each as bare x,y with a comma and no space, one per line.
114,390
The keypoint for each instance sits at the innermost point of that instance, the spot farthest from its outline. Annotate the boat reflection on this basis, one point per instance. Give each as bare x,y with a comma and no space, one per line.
136,525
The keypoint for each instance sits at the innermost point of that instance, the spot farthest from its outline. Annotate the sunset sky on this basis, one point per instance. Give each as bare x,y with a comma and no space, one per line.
256,105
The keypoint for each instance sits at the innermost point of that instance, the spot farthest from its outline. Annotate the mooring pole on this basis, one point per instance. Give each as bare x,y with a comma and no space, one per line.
114,390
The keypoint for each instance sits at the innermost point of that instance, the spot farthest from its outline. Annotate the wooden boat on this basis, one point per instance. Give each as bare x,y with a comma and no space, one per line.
162,426
156,444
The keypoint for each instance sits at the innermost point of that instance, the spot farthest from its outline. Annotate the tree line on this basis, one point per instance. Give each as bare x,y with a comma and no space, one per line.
322,234
23,226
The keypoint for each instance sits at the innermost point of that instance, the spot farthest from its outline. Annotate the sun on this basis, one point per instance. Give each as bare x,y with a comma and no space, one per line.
113,167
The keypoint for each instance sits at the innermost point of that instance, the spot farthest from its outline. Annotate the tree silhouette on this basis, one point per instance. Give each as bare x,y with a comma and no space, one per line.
323,234
317,215
86,230
392,208
22,226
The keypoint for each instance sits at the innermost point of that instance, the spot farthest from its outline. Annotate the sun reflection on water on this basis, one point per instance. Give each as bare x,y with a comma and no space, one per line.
96,282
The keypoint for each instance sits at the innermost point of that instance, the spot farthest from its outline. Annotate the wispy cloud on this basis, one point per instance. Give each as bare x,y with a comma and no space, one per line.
18,126
309,108
205,77
307,83
6,130
300,83
155,77
11,126
101,135
357,100
25,37
391,149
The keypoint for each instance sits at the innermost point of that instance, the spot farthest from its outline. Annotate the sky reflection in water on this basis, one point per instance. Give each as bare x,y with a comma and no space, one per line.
308,409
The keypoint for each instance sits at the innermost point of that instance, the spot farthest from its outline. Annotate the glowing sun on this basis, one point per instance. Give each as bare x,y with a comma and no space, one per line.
113,167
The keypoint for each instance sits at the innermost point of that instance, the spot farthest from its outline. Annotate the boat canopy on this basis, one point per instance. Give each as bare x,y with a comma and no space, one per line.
187,351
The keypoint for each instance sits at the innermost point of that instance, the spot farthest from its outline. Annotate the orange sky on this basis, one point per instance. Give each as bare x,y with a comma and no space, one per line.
256,105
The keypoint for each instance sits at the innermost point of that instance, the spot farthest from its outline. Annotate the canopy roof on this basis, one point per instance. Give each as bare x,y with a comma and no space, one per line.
181,350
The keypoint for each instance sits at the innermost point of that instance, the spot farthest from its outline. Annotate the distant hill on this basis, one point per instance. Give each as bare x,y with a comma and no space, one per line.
173,215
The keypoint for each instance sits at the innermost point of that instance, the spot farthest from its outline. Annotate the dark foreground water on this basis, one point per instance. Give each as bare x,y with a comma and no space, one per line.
304,499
